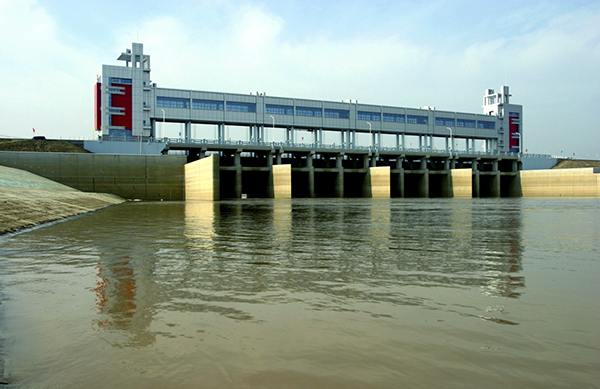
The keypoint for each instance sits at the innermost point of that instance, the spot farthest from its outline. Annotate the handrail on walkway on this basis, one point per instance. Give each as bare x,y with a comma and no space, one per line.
308,146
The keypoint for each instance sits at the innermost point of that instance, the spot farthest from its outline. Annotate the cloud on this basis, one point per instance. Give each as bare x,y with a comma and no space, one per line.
255,31
550,62
43,80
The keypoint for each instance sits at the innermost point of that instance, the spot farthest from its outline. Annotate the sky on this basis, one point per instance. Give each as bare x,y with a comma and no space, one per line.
413,54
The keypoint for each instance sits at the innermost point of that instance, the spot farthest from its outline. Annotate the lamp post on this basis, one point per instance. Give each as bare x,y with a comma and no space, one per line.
370,136
451,141
163,124
273,129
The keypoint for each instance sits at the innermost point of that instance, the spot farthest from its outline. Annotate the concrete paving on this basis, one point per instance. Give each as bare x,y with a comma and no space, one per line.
27,200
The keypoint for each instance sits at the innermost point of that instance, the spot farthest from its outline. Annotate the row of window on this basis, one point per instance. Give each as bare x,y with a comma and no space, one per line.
172,102
235,106
336,113
115,80
414,119
309,111
450,122
393,117
212,105
279,109
373,116
118,132
465,123
240,107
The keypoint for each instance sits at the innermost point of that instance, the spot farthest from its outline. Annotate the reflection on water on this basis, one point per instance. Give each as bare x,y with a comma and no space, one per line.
295,293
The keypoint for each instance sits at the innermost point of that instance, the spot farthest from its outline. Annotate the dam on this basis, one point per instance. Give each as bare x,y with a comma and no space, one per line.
335,149
445,161
235,171
279,172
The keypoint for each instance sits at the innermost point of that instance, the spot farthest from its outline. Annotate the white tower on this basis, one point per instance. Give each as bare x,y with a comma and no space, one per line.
510,133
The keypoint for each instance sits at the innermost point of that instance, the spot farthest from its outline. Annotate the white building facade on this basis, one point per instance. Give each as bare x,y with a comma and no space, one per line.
129,106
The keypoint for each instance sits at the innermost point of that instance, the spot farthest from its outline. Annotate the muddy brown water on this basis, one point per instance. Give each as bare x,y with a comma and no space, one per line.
321,293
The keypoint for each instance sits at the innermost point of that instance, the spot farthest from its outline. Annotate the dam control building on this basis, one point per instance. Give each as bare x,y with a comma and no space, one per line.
128,105
130,109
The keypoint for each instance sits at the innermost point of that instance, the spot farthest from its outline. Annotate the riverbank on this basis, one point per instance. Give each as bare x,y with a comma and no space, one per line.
27,200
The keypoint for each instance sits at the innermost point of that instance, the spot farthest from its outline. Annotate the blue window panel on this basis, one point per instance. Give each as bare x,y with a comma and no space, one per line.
172,102
373,116
513,114
279,109
237,106
393,118
114,80
309,111
444,122
416,119
486,125
122,133
213,105
465,123
337,113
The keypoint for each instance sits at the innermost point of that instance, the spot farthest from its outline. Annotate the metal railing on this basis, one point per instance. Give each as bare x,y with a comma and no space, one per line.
283,145
338,147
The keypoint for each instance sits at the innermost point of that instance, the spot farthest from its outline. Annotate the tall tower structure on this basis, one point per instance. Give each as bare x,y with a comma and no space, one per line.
123,97
510,133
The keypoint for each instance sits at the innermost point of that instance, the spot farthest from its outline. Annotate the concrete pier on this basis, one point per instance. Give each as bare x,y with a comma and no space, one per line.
202,179
282,181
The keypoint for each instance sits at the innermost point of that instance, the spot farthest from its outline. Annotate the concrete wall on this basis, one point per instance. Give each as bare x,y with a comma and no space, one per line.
116,147
584,182
537,162
377,183
129,176
282,181
461,183
202,179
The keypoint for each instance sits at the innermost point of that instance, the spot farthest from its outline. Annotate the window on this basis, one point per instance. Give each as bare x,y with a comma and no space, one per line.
279,109
241,107
114,80
444,122
465,123
119,133
416,119
392,117
309,111
337,113
213,105
486,125
374,116
514,114
172,102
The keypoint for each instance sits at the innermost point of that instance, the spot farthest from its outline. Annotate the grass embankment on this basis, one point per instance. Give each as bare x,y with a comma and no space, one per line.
576,163
40,145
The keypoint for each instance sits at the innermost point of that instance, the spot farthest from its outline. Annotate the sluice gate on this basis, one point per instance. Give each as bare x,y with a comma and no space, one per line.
263,172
